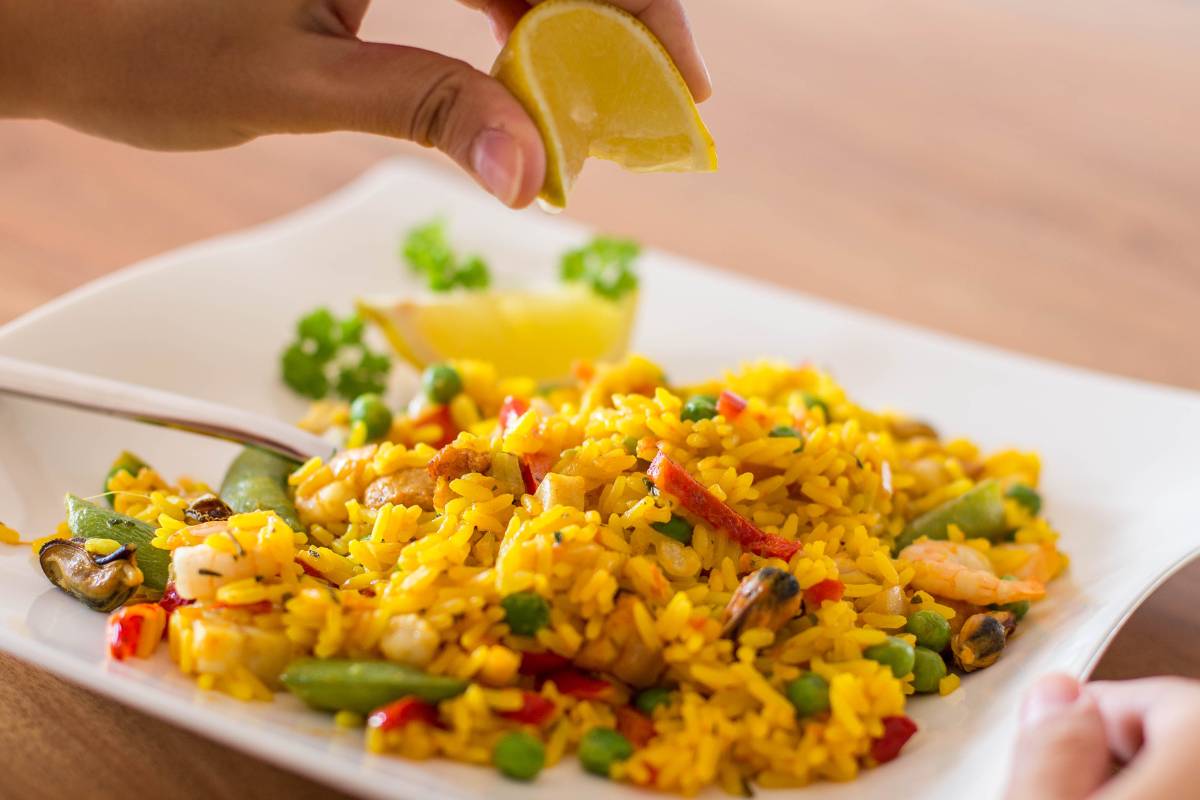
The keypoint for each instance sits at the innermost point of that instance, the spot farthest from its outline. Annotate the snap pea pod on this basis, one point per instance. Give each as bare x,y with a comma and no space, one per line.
90,521
125,462
257,480
978,512
363,686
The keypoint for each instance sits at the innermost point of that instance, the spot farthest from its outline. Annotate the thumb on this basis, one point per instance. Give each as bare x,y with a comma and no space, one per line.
1062,751
425,97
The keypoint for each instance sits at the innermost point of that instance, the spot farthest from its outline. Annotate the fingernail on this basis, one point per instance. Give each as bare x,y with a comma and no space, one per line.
1048,697
496,160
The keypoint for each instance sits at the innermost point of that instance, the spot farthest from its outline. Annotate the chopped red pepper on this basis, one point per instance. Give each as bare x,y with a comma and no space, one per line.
673,479
124,633
576,684
527,478
510,411
730,405
535,710
171,600
896,731
401,712
440,416
818,593
541,663
539,465
635,726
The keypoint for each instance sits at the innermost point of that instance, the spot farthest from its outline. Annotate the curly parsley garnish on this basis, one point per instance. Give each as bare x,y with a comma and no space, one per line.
604,264
329,354
429,254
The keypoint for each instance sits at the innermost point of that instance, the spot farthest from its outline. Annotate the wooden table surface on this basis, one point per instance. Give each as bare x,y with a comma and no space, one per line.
1025,173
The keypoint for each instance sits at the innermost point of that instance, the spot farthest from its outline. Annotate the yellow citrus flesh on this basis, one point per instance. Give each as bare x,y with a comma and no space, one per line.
538,334
598,83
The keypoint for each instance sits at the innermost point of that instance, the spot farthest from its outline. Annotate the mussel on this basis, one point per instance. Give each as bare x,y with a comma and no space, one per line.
766,598
206,508
981,639
99,582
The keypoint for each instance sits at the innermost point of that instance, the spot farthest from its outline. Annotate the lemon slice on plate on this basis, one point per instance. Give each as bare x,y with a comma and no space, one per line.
598,83
538,334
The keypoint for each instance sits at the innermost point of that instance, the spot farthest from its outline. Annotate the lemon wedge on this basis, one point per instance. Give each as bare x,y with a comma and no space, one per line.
598,83
530,333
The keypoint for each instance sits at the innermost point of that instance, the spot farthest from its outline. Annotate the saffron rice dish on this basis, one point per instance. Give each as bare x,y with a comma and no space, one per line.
740,583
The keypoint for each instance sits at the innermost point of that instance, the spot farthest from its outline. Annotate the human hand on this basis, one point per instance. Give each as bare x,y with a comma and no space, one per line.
1072,737
204,74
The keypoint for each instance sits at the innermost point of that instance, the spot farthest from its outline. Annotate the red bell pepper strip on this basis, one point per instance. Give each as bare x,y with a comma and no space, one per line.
440,416
829,589
510,411
535,710
896,731
730,405
541,663
673,479
576,684
635,726
402,712
124,633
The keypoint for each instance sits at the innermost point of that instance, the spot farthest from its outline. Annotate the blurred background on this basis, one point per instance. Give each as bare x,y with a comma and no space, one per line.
1023,173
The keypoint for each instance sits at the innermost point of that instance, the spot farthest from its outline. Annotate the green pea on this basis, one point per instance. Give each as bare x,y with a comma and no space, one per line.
1018,609
525,612
812,401
787,432
519,755
1026,496
928,670
809,694
698,407
373,413
649,699
442,383
931,629
676,527
600,748
895,653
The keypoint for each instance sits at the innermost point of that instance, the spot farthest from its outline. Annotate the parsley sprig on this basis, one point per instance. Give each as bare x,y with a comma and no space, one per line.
428,253
604,264
330,354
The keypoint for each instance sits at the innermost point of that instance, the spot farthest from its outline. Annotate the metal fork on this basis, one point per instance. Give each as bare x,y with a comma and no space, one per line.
156,407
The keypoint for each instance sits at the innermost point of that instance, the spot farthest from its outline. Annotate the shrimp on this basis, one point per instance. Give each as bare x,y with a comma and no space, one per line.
959,572
200,569
1043,563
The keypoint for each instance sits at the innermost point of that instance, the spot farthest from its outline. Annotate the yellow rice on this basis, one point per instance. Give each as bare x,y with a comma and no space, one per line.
845,496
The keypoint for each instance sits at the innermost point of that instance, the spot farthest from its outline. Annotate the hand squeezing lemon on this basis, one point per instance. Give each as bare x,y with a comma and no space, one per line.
598,84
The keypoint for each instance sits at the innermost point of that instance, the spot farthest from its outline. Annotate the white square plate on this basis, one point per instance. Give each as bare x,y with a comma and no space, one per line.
1121,479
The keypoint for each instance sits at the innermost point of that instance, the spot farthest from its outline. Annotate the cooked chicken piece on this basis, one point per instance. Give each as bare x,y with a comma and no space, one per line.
453,462
408,487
